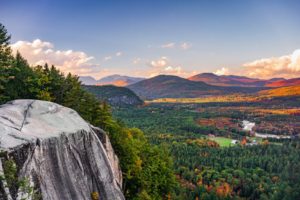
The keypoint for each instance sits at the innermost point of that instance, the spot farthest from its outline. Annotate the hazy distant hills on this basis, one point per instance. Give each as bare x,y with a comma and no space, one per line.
114,95
242,81
205,84
87,80
117,80
208,78
230,80
166,86
283,83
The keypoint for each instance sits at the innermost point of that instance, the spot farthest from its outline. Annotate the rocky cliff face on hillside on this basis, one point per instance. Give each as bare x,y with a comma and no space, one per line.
115,96
56,153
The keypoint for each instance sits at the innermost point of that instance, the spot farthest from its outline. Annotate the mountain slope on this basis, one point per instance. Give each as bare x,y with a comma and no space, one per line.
166,86
115,96
283,91
283,83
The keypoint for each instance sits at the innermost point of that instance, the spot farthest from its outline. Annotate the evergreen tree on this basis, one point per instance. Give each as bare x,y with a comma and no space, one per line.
147,170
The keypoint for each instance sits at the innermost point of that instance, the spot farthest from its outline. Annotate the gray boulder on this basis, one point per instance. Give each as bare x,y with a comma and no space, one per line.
60,154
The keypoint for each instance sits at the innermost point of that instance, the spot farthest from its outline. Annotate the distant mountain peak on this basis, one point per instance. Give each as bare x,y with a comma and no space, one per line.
115,79
208,74
227,80
87,80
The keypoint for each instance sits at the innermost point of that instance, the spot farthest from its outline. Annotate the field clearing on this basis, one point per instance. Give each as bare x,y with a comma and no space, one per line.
208,99
222,141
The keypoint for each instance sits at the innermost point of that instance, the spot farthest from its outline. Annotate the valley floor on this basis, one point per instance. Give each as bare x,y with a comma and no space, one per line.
216,156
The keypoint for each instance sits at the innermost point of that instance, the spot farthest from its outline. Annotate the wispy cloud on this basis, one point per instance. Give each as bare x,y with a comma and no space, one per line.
107,58
110,57
173,45
168,45
136,61
186,45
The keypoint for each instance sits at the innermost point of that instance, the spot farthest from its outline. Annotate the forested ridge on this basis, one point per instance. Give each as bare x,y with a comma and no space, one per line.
114,95
147,169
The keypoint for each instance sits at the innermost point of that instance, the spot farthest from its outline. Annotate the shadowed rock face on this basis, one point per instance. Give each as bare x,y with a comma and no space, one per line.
63,156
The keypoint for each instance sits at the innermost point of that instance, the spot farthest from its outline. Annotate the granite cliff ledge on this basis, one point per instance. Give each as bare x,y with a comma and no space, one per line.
61,155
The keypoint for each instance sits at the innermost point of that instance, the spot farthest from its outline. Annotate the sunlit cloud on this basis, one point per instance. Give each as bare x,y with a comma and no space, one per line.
287,66
161,62
222,71
39,52
163,65
167,70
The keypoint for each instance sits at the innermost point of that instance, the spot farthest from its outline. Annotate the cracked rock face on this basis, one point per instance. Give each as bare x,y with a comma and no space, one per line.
63,156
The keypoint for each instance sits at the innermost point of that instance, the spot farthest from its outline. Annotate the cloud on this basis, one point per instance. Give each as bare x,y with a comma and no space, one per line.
119,53
173,70
172,45
39,52
186,46
164,66
169,70
107,58
222,71
136,61
287,66
161,62
110,57
168,45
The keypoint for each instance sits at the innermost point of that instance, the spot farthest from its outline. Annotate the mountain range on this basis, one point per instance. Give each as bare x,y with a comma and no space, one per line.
243,81
205,84
167,86
208,78
117,80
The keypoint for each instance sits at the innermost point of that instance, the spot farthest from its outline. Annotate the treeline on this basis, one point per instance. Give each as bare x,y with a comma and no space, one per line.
147,170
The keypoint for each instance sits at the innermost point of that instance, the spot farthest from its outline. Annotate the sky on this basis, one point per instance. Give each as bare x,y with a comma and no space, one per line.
144,38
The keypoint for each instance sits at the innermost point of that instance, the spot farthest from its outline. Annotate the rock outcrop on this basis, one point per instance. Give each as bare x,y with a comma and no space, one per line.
60,154
115,96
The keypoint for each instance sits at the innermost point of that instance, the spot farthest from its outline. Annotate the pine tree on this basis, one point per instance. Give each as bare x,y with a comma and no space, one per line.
6,60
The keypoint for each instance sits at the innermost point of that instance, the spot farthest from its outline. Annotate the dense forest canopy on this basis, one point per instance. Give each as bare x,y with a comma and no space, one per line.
147,170
206,169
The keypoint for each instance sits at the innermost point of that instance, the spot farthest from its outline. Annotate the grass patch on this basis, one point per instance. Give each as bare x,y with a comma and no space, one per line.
222,141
